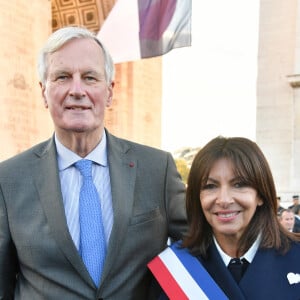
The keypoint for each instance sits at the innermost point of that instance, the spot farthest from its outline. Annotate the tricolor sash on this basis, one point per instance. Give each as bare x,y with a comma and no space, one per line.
182,276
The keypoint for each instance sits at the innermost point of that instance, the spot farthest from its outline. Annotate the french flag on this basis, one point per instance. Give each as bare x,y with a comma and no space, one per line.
182,276
136,29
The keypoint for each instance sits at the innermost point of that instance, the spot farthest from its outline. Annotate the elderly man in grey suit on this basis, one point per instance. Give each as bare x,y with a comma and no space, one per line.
49,248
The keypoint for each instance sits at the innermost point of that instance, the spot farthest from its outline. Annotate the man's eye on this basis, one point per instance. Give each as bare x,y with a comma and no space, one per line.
61,77
90,78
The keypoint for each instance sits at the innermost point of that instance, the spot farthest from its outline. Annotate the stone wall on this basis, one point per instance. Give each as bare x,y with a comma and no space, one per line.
136,110
24,26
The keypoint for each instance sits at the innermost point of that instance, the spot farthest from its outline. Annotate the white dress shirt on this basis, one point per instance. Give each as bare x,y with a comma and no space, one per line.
249,255
71,180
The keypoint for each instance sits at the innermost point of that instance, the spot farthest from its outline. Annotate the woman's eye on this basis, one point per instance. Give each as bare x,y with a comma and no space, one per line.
240,184
208,186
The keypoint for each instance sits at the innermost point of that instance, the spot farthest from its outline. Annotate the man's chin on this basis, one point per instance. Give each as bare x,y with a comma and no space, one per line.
78,128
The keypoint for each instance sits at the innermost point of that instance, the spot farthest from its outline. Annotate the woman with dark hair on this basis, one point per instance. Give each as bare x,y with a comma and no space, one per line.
232,214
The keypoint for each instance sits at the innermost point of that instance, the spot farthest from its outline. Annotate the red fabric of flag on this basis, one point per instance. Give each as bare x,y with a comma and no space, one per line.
137,29
164,25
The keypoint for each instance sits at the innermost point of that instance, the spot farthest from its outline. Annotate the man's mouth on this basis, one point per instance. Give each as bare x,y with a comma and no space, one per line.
77,107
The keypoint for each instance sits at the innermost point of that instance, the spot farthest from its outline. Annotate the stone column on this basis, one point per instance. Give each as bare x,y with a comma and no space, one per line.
277,99
24,26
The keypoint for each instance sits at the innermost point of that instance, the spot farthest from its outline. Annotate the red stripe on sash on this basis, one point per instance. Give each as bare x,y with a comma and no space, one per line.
166,280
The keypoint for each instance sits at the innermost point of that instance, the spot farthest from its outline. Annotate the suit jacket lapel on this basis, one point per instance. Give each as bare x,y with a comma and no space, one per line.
48,185
122,168
217,269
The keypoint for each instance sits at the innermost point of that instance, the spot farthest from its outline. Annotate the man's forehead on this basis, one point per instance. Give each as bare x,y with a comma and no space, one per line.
288,213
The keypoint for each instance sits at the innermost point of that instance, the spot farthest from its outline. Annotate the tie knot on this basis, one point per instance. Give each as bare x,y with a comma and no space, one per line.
85,167
238,261
235,261
237,267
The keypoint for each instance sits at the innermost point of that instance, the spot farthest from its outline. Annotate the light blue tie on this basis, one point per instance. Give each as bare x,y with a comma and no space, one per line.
92,239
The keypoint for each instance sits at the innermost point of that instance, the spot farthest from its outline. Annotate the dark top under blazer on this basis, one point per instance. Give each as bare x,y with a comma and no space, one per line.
148,205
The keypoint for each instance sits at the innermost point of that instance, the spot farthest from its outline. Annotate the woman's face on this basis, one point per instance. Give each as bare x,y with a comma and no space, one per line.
228,203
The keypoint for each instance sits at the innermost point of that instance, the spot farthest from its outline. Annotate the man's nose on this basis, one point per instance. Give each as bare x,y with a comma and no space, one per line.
76,88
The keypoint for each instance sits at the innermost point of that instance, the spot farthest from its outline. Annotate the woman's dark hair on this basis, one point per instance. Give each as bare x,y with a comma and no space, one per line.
249,164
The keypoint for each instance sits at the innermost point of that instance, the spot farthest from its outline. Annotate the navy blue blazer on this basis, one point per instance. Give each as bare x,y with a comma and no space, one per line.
265,278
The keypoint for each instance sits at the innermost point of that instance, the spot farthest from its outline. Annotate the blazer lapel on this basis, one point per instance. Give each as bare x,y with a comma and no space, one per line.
217,269
122,168
50,194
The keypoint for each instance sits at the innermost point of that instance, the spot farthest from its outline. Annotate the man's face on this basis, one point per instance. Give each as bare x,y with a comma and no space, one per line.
287,220
76,91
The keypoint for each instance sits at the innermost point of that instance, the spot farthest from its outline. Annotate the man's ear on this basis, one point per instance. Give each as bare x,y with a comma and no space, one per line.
43,88
110,94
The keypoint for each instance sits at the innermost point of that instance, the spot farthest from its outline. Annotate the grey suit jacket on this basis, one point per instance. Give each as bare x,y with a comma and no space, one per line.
38,259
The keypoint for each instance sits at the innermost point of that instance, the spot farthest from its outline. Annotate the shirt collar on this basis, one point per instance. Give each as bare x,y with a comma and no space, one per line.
66,157
249,255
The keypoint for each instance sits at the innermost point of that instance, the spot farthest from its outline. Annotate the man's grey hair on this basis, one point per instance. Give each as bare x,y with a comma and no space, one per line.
62,36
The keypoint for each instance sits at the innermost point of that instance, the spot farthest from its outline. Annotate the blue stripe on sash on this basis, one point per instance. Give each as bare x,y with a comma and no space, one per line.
199,273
